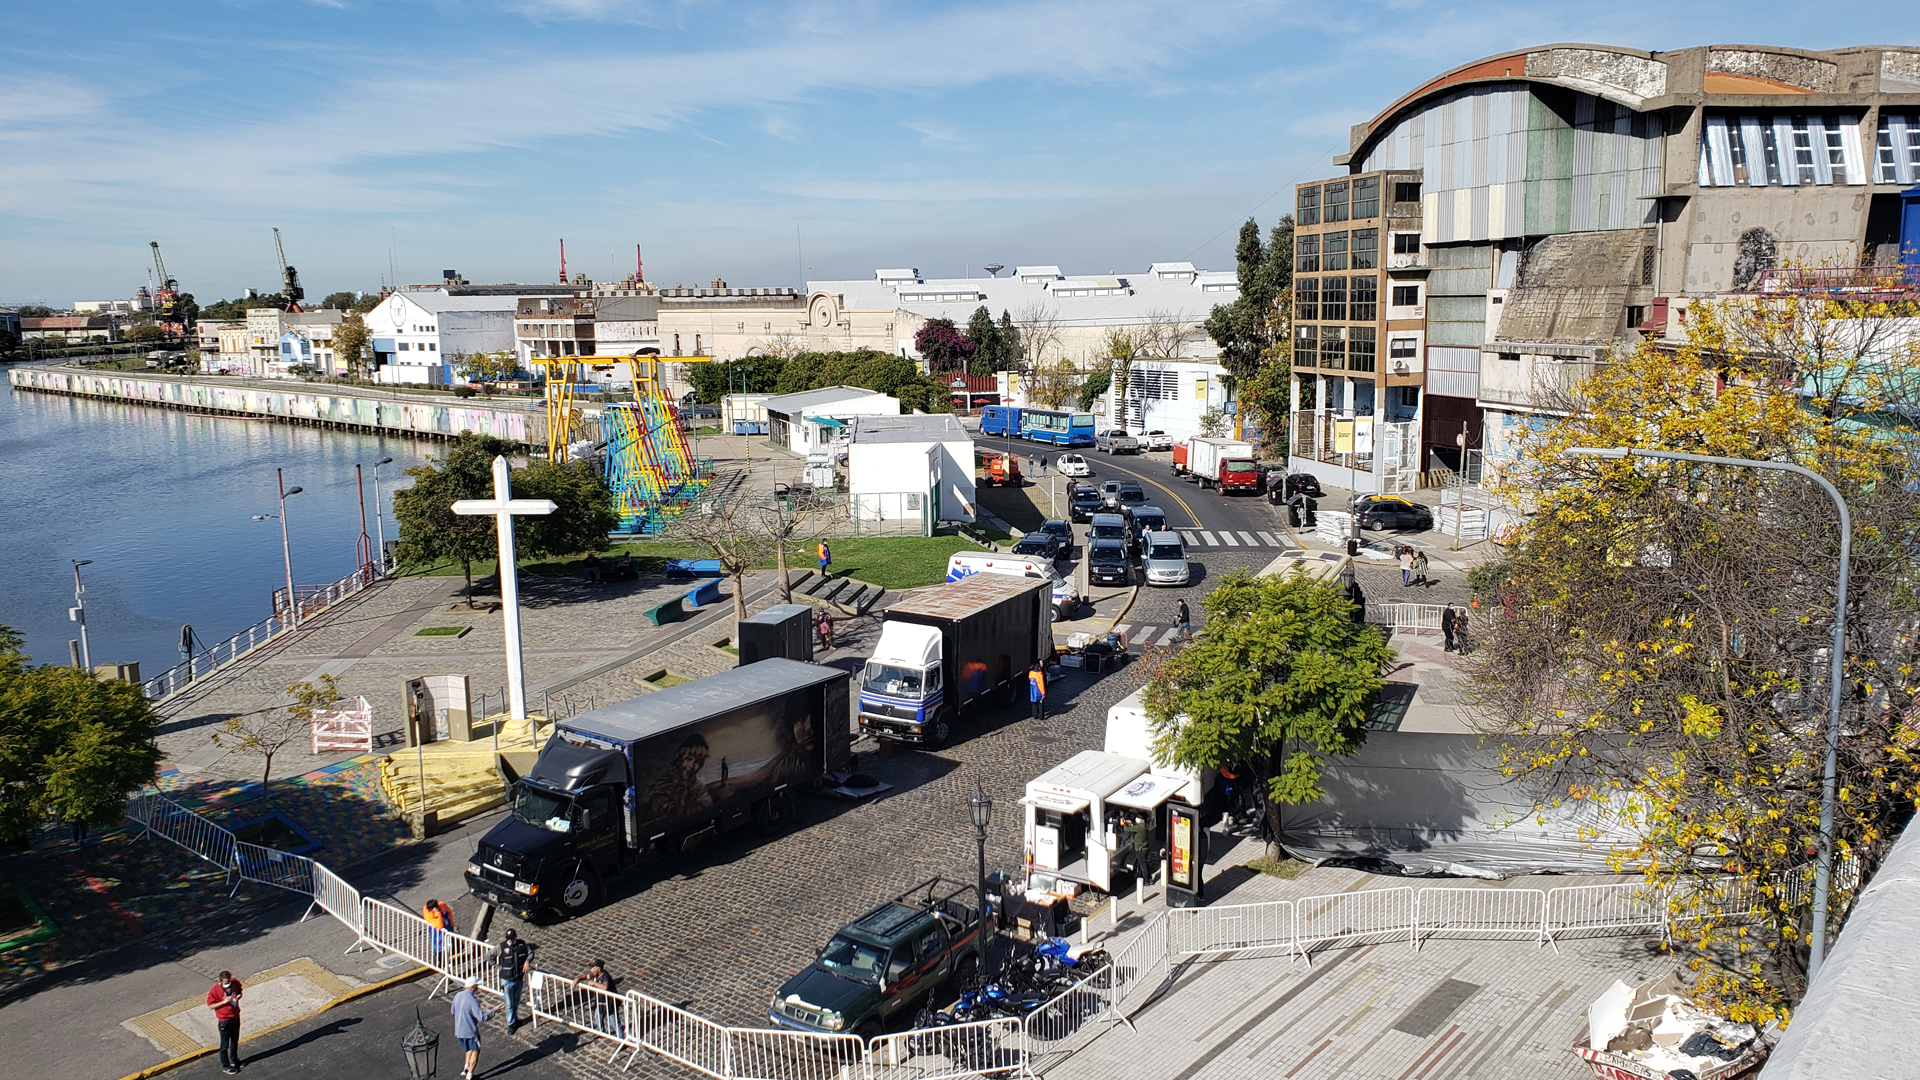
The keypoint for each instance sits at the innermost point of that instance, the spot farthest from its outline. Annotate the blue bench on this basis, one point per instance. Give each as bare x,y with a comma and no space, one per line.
707,592
693,568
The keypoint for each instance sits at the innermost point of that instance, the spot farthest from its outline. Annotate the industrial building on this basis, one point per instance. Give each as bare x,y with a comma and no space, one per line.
1502,226
815,420
908,473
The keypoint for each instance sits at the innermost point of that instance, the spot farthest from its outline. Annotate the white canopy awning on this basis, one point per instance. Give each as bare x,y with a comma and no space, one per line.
1148,792
1065,804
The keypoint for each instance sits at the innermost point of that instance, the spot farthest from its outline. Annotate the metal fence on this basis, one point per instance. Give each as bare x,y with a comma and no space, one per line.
172,822
982,1048
271,866
1508,913
1231,928
585,1008
886,513
1355,918
1418,618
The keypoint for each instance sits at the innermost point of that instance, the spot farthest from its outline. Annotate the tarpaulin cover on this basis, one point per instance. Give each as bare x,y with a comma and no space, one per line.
1437,803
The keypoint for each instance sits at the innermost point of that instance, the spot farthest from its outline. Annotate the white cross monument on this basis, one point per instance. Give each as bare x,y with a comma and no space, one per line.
502,508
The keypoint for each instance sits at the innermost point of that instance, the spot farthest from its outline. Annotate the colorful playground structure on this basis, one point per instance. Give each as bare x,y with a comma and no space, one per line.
650,468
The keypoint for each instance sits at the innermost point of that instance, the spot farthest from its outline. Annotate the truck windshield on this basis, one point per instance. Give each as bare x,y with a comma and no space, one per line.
854,958
1240,466
536,807
890,679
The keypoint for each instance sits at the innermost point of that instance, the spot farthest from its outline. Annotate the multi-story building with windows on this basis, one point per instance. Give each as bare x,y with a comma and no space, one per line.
1571,199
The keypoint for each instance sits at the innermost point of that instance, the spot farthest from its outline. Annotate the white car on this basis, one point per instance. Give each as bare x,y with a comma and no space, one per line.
1073,465
1157,440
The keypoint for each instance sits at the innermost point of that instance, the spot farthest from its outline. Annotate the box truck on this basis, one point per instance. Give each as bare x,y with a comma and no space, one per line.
659,773
964,564
948,647
1227,464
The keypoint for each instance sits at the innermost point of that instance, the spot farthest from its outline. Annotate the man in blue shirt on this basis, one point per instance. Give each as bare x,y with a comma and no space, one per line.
467,1017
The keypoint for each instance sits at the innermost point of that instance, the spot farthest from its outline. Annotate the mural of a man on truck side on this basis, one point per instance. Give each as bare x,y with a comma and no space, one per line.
743,752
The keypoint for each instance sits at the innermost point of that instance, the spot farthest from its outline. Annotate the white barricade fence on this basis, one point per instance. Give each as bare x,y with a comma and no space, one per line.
333,895
1231,928
586,1009
1140,966
344,729
1418,618
772,1054
1355,918
271,866
1062,1025
981,1048
678,1035
175,823
1577,908
1508,913
413,937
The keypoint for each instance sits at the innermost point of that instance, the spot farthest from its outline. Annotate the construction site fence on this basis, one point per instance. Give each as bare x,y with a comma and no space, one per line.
1137,971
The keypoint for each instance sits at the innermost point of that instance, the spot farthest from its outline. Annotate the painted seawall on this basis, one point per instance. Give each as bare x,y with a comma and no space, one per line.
296,403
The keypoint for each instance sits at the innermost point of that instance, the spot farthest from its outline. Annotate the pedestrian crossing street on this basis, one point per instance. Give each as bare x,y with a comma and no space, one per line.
1204,538
1145,636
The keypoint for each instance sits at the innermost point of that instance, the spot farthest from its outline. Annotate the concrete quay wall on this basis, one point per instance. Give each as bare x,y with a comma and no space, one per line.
296,403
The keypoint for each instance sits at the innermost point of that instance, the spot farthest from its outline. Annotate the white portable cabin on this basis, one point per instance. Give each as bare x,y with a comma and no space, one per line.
744,414
1130,734
1069,834
908,466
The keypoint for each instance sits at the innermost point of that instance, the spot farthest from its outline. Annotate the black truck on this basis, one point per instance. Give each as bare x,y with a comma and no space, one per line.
658,773
949,646
885,963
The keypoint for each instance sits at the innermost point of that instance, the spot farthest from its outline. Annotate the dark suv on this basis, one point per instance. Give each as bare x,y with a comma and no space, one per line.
1086,502
1039,545
1108,564
1126,495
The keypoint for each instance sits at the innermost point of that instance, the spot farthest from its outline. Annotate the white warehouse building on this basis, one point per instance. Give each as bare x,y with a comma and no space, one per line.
903,470
419,335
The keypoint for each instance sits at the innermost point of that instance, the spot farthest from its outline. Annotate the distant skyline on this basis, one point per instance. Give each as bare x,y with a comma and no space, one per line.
764,143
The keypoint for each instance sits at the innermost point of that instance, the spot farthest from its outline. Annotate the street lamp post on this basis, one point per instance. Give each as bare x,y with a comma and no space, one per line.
286,552
1823,866
980,808
379,515
78,613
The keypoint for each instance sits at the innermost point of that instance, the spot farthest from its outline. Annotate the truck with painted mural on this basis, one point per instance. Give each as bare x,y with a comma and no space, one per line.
949,647
661,773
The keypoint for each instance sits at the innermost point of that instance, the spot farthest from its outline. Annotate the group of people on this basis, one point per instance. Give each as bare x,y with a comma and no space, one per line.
1413,567
1037,464
592,570
515,957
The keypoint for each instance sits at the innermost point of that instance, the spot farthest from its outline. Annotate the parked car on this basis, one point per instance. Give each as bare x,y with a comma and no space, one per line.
1282,485
1165,561
1157,440
1391,512
1109,527
1062,530
1085,502
1039,545
1107,563
1115,441
1073,465
1146,520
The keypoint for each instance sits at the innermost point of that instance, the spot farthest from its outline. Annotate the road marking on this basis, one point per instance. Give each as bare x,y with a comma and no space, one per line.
1228,538
1208,537
1124,627
1170,635
1170,492
1145,635
1191,539
1248,537
1271,541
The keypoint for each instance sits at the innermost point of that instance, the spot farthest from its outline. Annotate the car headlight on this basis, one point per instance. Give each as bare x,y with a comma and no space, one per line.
832,1021
526,887
473,868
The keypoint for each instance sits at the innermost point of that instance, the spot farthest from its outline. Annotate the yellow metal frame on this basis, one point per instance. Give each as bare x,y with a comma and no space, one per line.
560,410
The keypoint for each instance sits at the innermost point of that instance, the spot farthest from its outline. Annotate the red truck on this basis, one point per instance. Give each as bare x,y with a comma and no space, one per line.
1227,464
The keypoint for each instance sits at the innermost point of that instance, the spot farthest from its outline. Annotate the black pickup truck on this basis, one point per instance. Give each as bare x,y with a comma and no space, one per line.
884,963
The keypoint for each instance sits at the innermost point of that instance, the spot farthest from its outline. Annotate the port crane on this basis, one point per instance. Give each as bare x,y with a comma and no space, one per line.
166,301
289,277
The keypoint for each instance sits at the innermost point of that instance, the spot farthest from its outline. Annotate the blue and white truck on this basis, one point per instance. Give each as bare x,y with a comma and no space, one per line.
947,647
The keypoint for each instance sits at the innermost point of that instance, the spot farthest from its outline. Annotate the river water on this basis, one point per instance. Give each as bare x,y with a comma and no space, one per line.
163,503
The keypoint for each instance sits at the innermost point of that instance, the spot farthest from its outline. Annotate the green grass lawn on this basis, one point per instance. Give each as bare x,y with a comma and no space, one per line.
891,562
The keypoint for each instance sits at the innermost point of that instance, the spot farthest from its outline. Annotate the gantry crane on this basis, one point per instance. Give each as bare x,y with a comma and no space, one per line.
166,302
289,277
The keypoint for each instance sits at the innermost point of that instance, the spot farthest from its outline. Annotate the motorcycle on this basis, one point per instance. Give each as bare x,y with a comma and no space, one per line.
1053,966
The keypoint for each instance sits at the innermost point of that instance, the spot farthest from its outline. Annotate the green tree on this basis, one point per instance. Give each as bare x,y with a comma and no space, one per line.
583,514
269,731
238,307
339,301
33,311
350,340
487,367
71,745
1095,385
146,333
1280,679
430,531
1213,423
366,303
989,352
1243,329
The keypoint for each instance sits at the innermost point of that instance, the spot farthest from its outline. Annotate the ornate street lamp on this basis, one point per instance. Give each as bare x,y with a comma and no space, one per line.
422,1049
980,808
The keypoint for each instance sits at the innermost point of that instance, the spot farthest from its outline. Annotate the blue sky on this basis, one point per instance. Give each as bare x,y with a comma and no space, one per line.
746,140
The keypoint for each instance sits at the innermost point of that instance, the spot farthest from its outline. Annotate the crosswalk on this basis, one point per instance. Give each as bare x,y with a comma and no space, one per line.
1146,634
1204,538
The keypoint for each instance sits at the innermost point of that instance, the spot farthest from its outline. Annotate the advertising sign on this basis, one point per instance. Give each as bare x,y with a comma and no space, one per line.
1186,856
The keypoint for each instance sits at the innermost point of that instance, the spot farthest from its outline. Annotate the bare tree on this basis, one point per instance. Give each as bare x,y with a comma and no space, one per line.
1162,335
744,533
1040,333
1055,382
1121,347
784,345
269,731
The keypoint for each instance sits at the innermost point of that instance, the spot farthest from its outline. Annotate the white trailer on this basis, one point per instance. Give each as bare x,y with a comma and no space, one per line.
1204,456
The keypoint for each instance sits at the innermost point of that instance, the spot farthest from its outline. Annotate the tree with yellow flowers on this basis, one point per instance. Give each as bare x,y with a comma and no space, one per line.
1658,631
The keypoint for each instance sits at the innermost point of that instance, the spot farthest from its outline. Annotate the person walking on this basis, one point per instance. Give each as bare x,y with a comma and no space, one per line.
1037,690
605,1016
440,917
826,558
1186,622
1406,566
1449,621
1043,464
467,1018
224,1000
516,961
1420,568
825,625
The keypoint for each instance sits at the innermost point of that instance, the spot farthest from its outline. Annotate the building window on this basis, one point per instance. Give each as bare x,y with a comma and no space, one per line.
1366,249
1333,347
1333,299
696,344
1306,206
1406,296
1402,348
1406,243
1333,250
1360,348
1306,298
1781,149
1306,255
1306,345
1636,314
433,347
1406,191
676,346
403,346
1410,397
1646,265
1897,148
1335,202
1364,304
1366,198
1509,356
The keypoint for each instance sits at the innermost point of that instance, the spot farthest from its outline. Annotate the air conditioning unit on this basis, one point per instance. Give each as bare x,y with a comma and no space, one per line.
1400,367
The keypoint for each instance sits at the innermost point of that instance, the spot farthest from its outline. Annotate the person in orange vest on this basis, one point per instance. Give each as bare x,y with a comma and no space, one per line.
440,917
826,558
1037,690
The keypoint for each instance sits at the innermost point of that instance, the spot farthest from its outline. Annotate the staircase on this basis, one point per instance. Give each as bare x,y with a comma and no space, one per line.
462,778
849,596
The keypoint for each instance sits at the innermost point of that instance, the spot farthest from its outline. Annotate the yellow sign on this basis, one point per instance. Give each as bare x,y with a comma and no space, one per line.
1343,436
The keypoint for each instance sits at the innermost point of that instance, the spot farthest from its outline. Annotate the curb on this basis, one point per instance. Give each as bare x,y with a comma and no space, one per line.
358,992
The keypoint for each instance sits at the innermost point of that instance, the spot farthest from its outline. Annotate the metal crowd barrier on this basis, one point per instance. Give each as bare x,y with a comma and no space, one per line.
1355,918
271,866
678,1035
767,1054
1583,908
981,1048
585,1008
1418,618
182,827
1231,928
1491,912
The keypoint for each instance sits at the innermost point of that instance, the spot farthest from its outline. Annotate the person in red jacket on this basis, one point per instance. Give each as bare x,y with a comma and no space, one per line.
224,1000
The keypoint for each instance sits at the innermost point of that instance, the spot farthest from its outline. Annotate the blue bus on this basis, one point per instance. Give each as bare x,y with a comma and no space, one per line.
1058,428
1000,420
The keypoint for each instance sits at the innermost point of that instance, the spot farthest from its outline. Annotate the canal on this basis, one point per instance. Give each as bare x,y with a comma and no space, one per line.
162,502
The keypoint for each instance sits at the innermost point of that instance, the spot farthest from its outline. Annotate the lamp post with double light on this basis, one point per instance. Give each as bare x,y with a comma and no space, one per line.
1823,867
286,552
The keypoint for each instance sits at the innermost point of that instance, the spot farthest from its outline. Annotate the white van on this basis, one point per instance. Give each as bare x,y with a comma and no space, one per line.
968,563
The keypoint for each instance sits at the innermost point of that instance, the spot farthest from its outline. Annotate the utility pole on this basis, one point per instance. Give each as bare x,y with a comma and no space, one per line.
78,613
379,515
1460,504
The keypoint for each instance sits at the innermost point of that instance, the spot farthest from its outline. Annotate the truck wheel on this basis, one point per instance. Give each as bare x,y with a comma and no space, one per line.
581,893
869,1030
940,729
773,816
